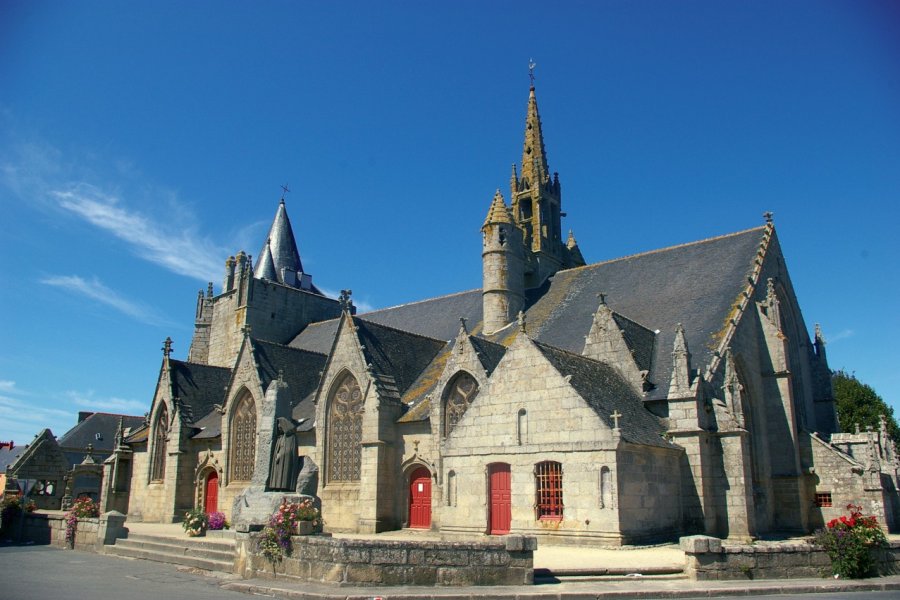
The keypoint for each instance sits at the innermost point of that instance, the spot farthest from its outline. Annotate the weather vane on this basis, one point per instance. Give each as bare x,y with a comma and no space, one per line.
531,66
284,190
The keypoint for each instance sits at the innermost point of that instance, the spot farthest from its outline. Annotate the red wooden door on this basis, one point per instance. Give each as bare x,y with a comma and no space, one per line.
420,499
500,514
211,497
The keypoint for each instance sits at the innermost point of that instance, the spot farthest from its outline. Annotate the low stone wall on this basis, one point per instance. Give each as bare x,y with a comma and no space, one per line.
49,527
710,558
323,559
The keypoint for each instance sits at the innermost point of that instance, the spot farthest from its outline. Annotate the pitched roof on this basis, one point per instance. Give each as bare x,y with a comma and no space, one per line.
198,387
695,284
489,353
605,391
105,424
8,456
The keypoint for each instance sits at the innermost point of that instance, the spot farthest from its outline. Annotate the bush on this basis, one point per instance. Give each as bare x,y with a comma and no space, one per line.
10,508
849,543
216,521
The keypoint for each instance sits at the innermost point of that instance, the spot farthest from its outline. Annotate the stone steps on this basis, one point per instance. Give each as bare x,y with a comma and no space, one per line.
205,554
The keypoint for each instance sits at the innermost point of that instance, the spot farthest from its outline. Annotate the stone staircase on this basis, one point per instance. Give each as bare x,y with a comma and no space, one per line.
213,553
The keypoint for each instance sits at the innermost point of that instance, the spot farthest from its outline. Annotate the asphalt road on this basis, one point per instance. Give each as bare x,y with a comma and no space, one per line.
46,573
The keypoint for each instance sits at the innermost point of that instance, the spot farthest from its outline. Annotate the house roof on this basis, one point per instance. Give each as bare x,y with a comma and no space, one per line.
105,424
604,390
197,387
8,456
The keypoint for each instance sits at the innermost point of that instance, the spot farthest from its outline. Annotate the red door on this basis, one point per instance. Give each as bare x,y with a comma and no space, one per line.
420,499
211,498
500,514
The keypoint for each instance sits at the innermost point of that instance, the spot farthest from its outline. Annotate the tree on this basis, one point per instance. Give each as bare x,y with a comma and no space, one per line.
857,403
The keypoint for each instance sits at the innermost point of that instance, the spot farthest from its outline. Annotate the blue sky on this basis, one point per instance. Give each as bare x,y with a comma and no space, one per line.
141,143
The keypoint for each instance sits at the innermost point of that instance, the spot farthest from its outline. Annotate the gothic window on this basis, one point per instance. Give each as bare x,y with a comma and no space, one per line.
158,463
461,391
243,439
345,430
548,483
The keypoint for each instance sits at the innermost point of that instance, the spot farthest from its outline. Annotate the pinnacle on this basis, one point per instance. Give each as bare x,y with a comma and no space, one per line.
498,212
534,156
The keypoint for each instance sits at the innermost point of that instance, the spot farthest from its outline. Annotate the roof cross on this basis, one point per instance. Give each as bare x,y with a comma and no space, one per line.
531,66
167,347
602,297
768,216
615,417
284,190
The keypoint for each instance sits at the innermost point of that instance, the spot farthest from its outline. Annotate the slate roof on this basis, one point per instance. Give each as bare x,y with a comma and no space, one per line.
74,442
198,387
8,457
489,353
605,391
695,284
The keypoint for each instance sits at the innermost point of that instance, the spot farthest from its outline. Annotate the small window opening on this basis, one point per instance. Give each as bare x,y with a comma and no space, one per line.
823,499
548,477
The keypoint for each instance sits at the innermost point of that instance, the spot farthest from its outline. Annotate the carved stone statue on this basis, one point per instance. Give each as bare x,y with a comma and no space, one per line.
283,472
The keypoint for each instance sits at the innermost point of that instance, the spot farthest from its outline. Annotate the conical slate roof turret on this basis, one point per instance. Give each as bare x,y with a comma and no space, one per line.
281,247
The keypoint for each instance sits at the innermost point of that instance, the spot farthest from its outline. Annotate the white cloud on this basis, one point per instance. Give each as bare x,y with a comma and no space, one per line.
841,335
21,421
7,386
175,246
90,401
97,291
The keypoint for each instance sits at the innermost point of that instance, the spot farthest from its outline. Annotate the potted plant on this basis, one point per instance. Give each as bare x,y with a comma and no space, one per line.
195,522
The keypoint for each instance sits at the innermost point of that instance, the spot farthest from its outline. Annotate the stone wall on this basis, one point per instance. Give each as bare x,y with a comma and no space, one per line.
90,534
710,558
322,559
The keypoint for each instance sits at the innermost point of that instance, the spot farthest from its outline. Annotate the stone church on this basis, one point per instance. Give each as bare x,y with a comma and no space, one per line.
671,392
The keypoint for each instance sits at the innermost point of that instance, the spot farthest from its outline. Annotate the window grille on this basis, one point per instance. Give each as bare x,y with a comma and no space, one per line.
462,391
158,464
345,431
548,476
243,439
823,499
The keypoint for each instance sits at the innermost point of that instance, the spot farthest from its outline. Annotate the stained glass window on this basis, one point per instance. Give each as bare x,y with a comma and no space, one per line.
345,430
461,391
243,439
158,464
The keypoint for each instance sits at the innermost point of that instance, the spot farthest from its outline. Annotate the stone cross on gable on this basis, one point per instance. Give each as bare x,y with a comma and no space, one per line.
602,297
615,417
167,347
768,216
344,299
246,330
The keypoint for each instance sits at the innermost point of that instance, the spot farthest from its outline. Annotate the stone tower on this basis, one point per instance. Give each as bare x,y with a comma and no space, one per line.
503,267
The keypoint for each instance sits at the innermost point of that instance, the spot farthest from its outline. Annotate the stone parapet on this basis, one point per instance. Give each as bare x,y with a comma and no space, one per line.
709,558
90,534
323,559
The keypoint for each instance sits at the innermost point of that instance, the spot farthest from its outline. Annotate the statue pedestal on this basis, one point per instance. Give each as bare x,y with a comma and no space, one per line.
253,507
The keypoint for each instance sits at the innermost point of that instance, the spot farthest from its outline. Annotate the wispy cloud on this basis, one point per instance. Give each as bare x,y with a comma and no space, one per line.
21,421
97,291
176,247
112,404
7,386
841,335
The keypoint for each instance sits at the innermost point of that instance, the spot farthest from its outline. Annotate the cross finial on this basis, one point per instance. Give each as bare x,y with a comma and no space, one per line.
531,66
768,216
246,330
280,375
522,323
344,299
602,297
167,347
615,417
284,190
90,450
462,323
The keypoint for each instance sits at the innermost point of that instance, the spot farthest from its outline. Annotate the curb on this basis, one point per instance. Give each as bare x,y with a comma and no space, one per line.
770,588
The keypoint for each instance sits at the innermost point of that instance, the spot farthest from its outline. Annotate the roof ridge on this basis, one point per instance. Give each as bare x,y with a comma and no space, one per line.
416,302
666,249
196,364
403,331
285,346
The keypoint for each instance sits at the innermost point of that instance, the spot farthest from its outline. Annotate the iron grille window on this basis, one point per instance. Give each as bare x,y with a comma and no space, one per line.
243,440
461,392
548,479
345,431
158,465
823,499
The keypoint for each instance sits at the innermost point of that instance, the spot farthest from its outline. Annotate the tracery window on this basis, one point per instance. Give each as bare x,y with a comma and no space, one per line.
548,484
461,391
345,430
243,439
161,433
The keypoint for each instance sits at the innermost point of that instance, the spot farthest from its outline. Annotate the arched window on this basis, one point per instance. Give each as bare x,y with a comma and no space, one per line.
461,391
242,447
549,490
160,436
345,430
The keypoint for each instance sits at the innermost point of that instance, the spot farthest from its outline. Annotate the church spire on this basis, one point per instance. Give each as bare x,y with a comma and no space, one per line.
279,255
535,171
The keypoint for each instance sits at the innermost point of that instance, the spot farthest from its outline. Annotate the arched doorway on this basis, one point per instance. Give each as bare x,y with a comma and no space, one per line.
211,492
420,499
500,495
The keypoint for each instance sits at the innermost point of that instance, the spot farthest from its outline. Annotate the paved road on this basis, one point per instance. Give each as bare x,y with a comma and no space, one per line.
46,573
